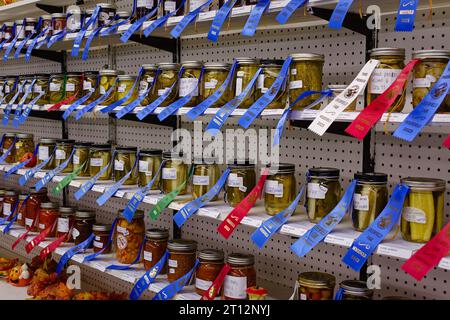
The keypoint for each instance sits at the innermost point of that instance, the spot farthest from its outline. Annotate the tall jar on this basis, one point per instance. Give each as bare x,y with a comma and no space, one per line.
423,210
211,263
24,147
56,91
7,143
33,207
246,70
392,62
167,77
149,163
189,82
48,217
82,229
355,290
206,174
144,7
10,200
41,86
241,181
150,73
316,286
270,71
107,80
22,210
30,26
323,192
214,76
123,163
168,6
74,85
20,30
46,149
129,237
90,84
174,173
81,158
280,188
124,86
370,198
182,256
99,156
155,247
241,276
63,151
66,222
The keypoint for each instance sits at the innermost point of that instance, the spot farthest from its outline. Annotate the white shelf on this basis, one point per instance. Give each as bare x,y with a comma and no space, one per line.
10,292
27,8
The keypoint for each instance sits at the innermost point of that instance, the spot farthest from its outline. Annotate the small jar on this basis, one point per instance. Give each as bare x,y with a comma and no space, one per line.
66,222
355,290
189,82
56,88
107,80
7,143
46,148
123,163
168,6
34,206
392,62
306,74
337,89
241,276
316,286
88,15
74,20
167,77
427,72
280,188
24,147
144,7
10,199
174,173
370,199
64,149
241,181
423,211
129,237
81,158
82,229
323,192
246,70
22,209
214,76
150,72
182,256
8,33
149,163
59,21
100,156
41,86
30,26
20,30
48,217
90,83
211,263
74,85
124,86
206,174
155,247
270,72
101,237
46,23
107,13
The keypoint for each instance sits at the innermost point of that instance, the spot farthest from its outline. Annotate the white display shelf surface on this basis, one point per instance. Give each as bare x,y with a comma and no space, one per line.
10,292
27,8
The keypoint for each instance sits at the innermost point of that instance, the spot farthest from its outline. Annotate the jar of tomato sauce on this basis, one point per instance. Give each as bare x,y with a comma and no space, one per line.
34,206
241,276
22,210
66,221
48,217
9,202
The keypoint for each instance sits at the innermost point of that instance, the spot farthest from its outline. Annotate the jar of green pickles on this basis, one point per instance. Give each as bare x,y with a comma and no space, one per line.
107,80
246,70
74,85
355,290
150,73
124,86
174,172
41,86
337,89
306,74
241,181
123,163
206,174
81,158
9,88
56,88
24,147
46,149
316,286
90,83
423,210
63,151
189,82
149,163
27,84
7,143
370,198
392,62
323,192
270,71
427,73
280,188
167,77
100,156
214,76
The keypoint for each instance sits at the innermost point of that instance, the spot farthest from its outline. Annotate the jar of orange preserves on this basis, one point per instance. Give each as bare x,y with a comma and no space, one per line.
155,247
241,276
211,262
34,206
48,217
129,237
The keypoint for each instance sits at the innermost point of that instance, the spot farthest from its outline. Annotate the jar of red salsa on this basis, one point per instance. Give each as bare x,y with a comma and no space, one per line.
211,262
241,276
34,206
22,210
66,221
101,233
48,217
9,202
155,247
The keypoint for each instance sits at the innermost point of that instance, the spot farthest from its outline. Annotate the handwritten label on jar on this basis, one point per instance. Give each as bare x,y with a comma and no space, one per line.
238,86
43,153
169,174
37,89
194,4
148,256
54,87
201,180
361,202
76,159
118,165
414,215
234,181
6,209
202,284
294,72
123,230
173,263
235,287
274,188
316,191
96,162
28,222
143,166
121,242
145,4
70,87
143,85
297,84
63,225
98,244
87,85
382,79
170,6
60,154
187,85
19,216
424,82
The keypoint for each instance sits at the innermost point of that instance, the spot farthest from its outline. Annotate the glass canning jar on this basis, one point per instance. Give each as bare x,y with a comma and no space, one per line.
22,211
59,22
66,222
33,206
337,89
9,90
129,237
101,237
56,88
41,86
46,148
24,147
10,199
241,181
90,83
8,33
189,82
124,86
174,172
182,256
64,149
99,156
81,158
7,143
46,23
241,276
246,70
316,286
74,85
82,229
211,263
123,163
107,80
144,7
167,77
270,71
150,72
107,13
280,188
149,163
206,174
48,217
355,290
168,6
214,76
30,26
27,84
155,247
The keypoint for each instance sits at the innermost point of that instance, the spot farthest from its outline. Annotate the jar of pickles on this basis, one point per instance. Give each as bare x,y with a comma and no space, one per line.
9,140
123,163
82,229
41,86
427,73
214,76
241,181
129,237
100,156
182,256
165,80
246,70
101,238
337,89
189,82
46,150
63,151
66,222
174,173
34,206
316,286
211,263
323,192
107,80
155,247
355,290
90,84
48,217
206,174
27,86
270,71
241,276
369,200
56,88
149,163
280,188
74,85
124,86
423,210
81,158
24,147
22,209
150,73
392,62
10,201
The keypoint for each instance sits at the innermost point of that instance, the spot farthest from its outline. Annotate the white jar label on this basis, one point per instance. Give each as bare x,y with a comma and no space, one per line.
96,162
382,79
294,72
201,180
6,209
143,166
297,84
234,181
194,4
424,82
37,88
19,216
102,90
122,88
211,84
361,202
145,4
43,153
274,188
414,215
7,89
63,225
121,242
316,191
187,85
60,154
169,174
41,226
170,6
238,86
76,159
70,87
202,284
75,233
54,87
123,230
119,165
162,91
28,222
303,296
87,85
98,244
143,85
173,263
148,256
235,287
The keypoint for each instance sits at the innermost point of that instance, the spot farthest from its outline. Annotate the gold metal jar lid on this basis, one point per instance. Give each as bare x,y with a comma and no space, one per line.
157,234
49,205
424,184
46,17
240,259
126,77
308,57
217,65
247,61
192,64
66,212
181,245
318,280
108,72
30,19
150,66
169,66
24,136
85,214
431,54
378,52
101,227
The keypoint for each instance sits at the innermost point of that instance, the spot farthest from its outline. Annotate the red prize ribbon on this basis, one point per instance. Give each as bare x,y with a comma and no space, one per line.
39,238
58,105
212,292
52,246
14,245
375,110
447,142
429,255
227,227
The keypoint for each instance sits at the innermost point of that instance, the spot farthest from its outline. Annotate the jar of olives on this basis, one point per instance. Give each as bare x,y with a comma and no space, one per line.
427,72
423,210
167,77
24,147
129,237
392,62
100,156
189,82
46,149
206,175
246,70
124,85
370,198
123,163
74,85
316,286
323,192
56,88
150,72
242,275
107,80
337,89
41,86
355,290
149,163
174,173
90,84
214,76
64,149
81,158
279,190
241,181
9,140
271,70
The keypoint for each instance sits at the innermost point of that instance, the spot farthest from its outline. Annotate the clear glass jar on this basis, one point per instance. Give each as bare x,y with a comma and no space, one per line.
241,276
101,238
82,229
211,263
8,33
123,163
33,206
182,256
56,88
81,158
28,82
10,198
99,156
149,163
173,173
189,82
30,26
24,148
46,148
370,199
214,76
206,175
355,290
90,83
107,13
48,217
246,70
423,210
107,80
59,22
280,188
271,70
7,143
124,86
316,286
22,211
155,247
323,192
66,222
129,237
241,181
150,72
64,149
337,89
167,77
74,85
9,88
46,23
144,7
41,86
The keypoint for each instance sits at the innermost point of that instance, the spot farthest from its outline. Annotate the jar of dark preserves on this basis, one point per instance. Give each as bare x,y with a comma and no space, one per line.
84,220
155,247
211,262
101,238
66,221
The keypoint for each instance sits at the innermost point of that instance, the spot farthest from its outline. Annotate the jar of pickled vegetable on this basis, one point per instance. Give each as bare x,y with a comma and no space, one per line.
66,222
423,210
22,209
48,217
64,149
81,158
182,256
271,70
369,200
82,229
241,181
74,85
24,147
129,237
144,7
34,206
323,192
59,22
100,156
9,88
279,190
10,200
305,74
214,76
107,80
206,174
149,163
211,263
101,237
337,89
169,6
189,82
150,72
392,62
41,86
90,83
107,13
316,286
355,290
155,247
7,143
123,163
124,86
56,88
427,73
46,148
167,77
174,172
246,70
241,276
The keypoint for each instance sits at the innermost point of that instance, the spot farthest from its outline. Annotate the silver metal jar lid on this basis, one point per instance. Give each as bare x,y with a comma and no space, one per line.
150,66
217,65
192,64
101,227
182,245
157,234
356,288
106,5
431,54
49,205
19,22
169,66
108,72
25,136
308,57
47,141
10,135
123,14
387,52
58,15
85,214
125,77
241,259
68,211
46,17
247,61
424,184
31,19
211,255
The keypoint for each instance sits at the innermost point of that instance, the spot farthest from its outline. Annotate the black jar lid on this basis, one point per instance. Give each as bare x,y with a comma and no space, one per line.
281,168
139,214
371,177
74,73
151,152
168,155
157,234
91,73
83,144
241,164
101,146
324,172
101,227
65,141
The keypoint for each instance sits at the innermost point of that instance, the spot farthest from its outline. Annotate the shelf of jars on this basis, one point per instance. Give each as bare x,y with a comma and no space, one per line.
28,8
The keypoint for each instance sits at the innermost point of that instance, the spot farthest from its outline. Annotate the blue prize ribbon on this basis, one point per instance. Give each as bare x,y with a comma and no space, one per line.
73,251
224,113
314,236
148,278
52,173
198,110
18,112
60,35
93,104
14,219
339,13
272,225
8,151
112,28
30,173
108,243
138,24
22,164
13,210
78,103
253,20
128,266
9,106
369,240
162,20
423,113
24,41
192,207
169,291
187,19
289,10
339,294
33,44
82,32
406,15
219,20
12,44
2,93
255,110
26,112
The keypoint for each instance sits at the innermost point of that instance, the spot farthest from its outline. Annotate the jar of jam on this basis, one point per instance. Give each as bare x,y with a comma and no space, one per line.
149,163
107,80
280,188
316,286
8,33
100,156
34,206
129,237
20,30
169,6
10,201
107,13
90,83
241,276
82,229
206,175
22,210
24,147
59,22
123,163
246,70
66,221
64,149
173,173
270,71
150,73
74,85
46,149
167,77
41,86
81,158
144,7
181,259
7,143
47,23
56,88
241,181
101,233
30,26
48,217
155,247
355,290
124,86
189,82
211,262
